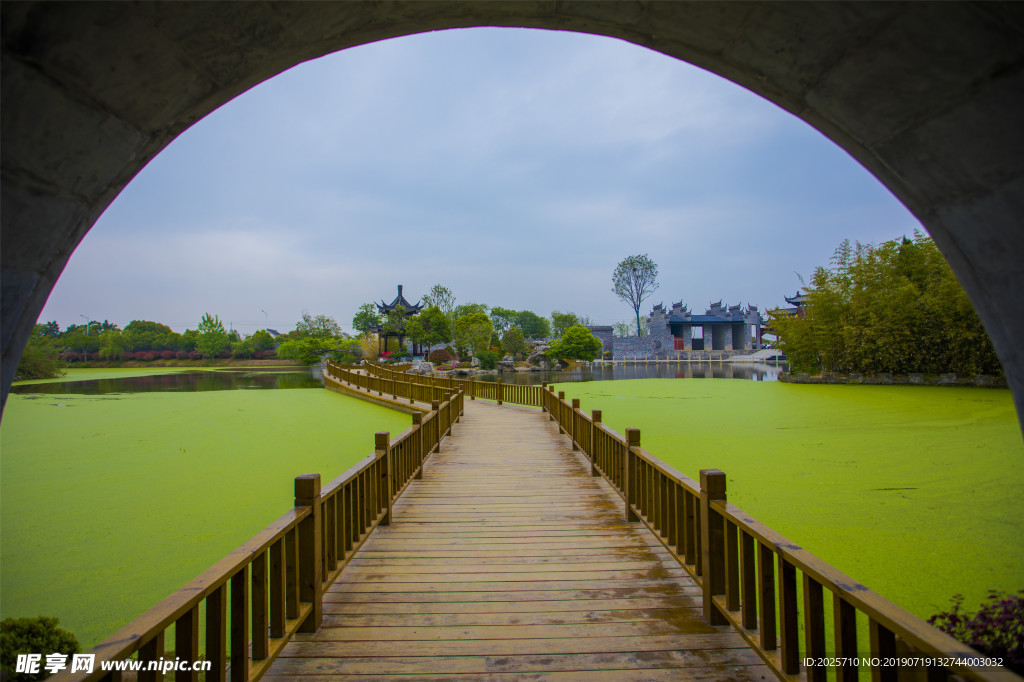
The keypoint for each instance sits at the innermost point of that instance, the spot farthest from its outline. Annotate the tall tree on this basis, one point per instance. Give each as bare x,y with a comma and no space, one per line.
635,278
473,332
533,325
429,328
513,341
504,319
562,321
895,307
367,318
442,297
464,309
319,327
212,337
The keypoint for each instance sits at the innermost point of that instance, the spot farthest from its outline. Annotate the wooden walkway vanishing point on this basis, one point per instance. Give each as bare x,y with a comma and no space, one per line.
508,560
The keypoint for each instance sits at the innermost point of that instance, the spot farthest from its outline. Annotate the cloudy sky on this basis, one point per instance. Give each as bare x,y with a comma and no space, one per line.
516,167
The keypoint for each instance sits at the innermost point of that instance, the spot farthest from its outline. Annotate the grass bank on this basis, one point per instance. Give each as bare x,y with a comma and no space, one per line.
915,491
110,503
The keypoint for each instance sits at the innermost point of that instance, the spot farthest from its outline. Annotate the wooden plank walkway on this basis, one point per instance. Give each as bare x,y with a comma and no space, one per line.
510,561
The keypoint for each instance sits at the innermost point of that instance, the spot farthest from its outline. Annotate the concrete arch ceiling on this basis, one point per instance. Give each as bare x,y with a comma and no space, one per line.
927,96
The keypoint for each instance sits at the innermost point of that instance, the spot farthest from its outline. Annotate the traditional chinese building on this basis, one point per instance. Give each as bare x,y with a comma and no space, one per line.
719,328
384,309
798,301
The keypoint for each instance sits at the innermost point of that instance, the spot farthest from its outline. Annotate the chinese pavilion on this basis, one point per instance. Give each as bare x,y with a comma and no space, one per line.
383,308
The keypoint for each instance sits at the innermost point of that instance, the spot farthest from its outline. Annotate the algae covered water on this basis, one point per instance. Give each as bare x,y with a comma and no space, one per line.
915,491
111,502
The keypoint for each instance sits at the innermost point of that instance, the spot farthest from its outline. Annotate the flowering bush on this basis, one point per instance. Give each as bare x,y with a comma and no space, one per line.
168,355
996,630
181,355
149,357
264,354
441,356
195,355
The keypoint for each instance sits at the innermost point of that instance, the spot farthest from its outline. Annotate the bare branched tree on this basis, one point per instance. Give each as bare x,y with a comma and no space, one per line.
634,279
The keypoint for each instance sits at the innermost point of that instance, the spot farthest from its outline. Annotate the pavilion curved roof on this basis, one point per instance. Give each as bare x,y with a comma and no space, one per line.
400,300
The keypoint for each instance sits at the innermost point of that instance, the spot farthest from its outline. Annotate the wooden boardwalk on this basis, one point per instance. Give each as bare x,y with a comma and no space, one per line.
508,560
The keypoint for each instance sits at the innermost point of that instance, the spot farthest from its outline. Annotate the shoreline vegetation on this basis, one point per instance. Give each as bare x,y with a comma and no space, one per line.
889,379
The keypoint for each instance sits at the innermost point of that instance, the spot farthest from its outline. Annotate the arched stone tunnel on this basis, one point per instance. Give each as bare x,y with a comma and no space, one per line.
929,97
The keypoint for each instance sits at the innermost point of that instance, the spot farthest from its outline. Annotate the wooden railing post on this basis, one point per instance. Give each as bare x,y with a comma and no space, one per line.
435,407
307,494
572,422
498,391
543,395
186,643
382,451
561,416
549,399
421,455
595,419
712,538
630,473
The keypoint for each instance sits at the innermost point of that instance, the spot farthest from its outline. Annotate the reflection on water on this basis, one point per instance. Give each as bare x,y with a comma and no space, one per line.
187,381
683,370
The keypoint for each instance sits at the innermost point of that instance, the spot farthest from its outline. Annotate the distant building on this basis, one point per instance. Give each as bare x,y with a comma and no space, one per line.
798,301
719,328
410,310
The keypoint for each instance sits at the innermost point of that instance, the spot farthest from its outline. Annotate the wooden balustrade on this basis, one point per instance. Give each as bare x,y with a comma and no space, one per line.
742,566
273,585
488,390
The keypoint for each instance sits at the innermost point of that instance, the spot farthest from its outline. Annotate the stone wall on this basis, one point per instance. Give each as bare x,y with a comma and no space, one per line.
606,336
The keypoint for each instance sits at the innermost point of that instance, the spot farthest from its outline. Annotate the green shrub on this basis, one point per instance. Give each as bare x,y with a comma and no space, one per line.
488,359
40,635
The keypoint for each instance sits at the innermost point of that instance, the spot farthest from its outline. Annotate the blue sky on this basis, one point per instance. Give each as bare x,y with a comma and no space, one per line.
516,167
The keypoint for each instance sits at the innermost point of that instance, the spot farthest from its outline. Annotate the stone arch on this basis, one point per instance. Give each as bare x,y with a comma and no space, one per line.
927,96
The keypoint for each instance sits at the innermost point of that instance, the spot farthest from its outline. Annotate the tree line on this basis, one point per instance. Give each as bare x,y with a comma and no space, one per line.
893,307
466,329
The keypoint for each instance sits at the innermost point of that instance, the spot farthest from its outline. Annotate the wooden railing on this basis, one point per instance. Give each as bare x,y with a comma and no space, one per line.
742,564
273,585
487,390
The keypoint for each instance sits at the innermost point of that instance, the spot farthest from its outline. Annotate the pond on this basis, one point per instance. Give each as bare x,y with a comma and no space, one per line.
185,381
